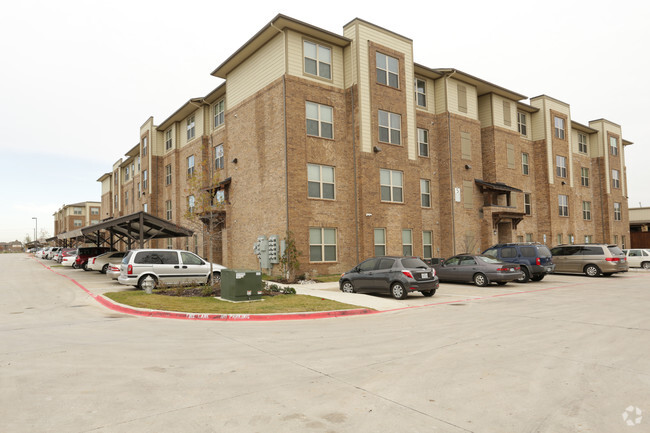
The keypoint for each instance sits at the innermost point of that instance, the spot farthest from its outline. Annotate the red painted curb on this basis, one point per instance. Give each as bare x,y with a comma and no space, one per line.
106,302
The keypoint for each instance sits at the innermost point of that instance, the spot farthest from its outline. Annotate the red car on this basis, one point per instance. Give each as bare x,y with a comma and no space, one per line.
84,253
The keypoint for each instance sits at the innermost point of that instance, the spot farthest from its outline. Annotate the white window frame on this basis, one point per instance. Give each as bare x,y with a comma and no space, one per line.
421,93
616,180
218,114
617,211
319,60
168,174
379,243
427,244
318,117
582,143
169,140
528,204
322,245
391,123
560,166
190,166
219,158
407,242
394,184
145,145
563,205
521,123
145,180
584,176
168,210
425,193
315,176
559,127
77,223
586,210
191,203
613,146
525,166
191,127
387,70
423,142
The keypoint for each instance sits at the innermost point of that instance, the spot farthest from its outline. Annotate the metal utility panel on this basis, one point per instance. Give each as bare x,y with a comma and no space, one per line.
241,285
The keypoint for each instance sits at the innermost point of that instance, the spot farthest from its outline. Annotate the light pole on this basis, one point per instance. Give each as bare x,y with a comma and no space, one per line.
36,231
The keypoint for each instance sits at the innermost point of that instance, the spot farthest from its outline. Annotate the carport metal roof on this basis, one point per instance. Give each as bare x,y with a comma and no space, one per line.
140,227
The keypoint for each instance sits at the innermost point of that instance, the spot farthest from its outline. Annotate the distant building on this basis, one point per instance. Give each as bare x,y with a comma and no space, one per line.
357,150
11,247
639,224
76,216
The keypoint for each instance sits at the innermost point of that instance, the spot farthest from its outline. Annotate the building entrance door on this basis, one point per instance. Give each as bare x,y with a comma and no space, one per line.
505,232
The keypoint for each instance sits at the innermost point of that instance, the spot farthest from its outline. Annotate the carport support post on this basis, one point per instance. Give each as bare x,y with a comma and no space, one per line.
141,231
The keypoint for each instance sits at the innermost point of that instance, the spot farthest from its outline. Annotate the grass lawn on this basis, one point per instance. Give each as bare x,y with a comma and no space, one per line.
268,305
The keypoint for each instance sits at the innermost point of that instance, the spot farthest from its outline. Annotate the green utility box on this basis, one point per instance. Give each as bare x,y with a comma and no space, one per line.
241,285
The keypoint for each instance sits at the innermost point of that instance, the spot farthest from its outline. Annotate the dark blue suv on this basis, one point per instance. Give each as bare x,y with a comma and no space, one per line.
534,259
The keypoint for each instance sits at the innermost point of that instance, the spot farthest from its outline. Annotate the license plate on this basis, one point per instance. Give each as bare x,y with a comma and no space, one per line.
424,275
511,269
548,269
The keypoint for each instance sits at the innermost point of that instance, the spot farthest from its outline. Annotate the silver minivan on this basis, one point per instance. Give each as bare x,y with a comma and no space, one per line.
166,266
590,259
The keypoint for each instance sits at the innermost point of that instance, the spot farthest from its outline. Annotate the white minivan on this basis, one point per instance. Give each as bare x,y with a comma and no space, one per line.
638,258
166,266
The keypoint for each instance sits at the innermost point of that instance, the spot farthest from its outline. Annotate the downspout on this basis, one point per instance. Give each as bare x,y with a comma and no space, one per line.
286,151
451,168
354,161
602,206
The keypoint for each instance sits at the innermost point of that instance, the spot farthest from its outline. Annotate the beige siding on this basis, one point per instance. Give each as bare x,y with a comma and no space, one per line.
256,72
440,93
198,127
295,56
107,185
472,99
499,106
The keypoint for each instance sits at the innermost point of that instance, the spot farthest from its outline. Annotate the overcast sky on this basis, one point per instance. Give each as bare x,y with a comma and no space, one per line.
79,78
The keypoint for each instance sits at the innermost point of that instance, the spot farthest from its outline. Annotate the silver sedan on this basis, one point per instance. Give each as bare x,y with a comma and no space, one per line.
479,269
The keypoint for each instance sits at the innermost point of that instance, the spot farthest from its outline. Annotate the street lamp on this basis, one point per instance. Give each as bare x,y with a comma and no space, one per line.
35,231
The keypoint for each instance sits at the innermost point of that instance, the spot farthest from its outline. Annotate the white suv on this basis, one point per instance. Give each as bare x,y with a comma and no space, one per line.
166,266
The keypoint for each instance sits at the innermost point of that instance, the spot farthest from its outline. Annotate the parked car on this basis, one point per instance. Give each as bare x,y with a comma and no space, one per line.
113,271
534,259
52,253
69,259
398,276
102,261
479,269
84,253
166,266
638,258
590,259
65,252
40,253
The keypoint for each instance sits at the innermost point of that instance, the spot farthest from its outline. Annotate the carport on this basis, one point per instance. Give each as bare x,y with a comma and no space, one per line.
136,228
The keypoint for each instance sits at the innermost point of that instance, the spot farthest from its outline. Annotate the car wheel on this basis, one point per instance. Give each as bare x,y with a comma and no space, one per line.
428,293
75,265
347,287
147,278
398,291
215,278
85,267
537,277
104,268
481,280
502,283
526,276
592,270
645,265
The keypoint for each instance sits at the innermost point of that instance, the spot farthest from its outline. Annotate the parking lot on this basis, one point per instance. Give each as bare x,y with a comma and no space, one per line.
567,354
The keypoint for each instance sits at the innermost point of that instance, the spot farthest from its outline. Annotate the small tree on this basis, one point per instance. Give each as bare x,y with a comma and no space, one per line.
289,262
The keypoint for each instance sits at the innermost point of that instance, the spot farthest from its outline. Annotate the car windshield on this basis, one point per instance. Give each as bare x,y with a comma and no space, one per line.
413,263
487,259
544,251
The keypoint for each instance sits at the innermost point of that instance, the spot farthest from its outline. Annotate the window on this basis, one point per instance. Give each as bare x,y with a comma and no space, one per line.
168,210
528,204
380,242
387,70
616,182
617,211
465,145
139,190
423,142
190,128
138,159
170,243
588,239
218,157
462,98
190,165
77,211
126,198
168,174
427,245
582,143
507,116
77,223
407,242
94,211
391,182
126,174
563,205
425,192
322,245
168,139
144,146
320,181
420,93
319,120
613,145
521,123
524,163
529,237
559,239
586,210
218,113
190,203
559,127
390,126
195,260
560,166
145,207
144,180
318,60
616,239
584,176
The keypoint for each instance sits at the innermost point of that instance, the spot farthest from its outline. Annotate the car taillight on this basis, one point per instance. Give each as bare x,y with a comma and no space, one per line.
93,260
612,259
538,261
129,269
408,274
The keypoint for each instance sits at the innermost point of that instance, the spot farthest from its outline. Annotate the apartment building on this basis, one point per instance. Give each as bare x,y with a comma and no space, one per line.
75,216
355,149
